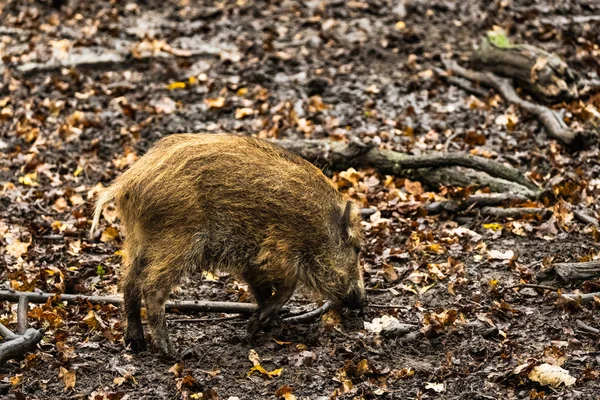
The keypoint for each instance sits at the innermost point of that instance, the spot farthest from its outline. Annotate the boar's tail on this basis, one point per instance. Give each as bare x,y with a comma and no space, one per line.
103,198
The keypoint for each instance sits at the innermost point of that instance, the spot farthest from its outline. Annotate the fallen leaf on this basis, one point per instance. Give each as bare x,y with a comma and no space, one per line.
176,85
243,112
285,392
551,375
17,248
109,234
436,387
165,105
68,378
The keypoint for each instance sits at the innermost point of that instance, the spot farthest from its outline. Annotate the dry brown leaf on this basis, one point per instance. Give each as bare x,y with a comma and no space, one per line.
285,392
68,378
17,248
551,375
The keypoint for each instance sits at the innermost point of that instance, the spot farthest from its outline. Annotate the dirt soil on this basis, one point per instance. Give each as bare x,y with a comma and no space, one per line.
296,69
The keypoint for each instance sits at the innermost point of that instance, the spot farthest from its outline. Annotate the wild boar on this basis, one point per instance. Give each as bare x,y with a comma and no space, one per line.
235,204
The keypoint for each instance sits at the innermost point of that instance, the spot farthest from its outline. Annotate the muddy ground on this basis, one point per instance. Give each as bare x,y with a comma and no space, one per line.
295,69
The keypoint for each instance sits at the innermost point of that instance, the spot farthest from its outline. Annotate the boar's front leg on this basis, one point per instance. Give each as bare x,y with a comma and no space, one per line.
271,296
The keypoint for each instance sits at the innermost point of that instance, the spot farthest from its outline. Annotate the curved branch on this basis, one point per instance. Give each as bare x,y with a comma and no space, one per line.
551,121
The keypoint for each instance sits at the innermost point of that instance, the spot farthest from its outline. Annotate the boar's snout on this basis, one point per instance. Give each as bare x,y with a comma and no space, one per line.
356,298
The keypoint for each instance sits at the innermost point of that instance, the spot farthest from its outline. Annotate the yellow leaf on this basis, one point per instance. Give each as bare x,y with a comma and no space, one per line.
68,378
109,234
78,171
400,25
29,179
93,321
192,80
176,85
242,91
281,343
493,226
209,276
263,371
426,288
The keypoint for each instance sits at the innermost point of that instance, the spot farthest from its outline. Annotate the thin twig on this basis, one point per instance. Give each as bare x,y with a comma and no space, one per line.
533,286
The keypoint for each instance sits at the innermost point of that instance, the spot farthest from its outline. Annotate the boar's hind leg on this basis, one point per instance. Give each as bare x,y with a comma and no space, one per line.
155,296
270,296
132,297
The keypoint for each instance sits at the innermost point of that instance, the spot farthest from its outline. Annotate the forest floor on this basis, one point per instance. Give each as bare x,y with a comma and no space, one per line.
296,69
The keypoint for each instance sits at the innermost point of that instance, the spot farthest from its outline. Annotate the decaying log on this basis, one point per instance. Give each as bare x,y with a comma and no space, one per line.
544,75
578,271
340,156
552,122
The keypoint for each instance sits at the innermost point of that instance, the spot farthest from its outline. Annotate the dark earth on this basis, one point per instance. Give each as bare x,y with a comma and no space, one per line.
296,69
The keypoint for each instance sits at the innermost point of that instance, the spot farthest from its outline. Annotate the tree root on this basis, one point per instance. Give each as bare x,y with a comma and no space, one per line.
552,122
431,168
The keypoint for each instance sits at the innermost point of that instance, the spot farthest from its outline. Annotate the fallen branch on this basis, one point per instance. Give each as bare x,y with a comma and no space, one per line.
20,345
585,327
552,122
180,306
17,345
340,156
584,298
585,218
576,20
476,200
577,271
515,212
533,286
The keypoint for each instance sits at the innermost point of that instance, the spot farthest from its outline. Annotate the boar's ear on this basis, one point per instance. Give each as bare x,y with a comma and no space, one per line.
346,219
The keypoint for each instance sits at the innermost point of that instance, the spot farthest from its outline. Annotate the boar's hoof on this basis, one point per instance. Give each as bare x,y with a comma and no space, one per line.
136,344
165,349
261,321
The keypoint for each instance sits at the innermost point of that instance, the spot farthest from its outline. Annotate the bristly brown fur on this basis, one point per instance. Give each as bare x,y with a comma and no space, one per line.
236,204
